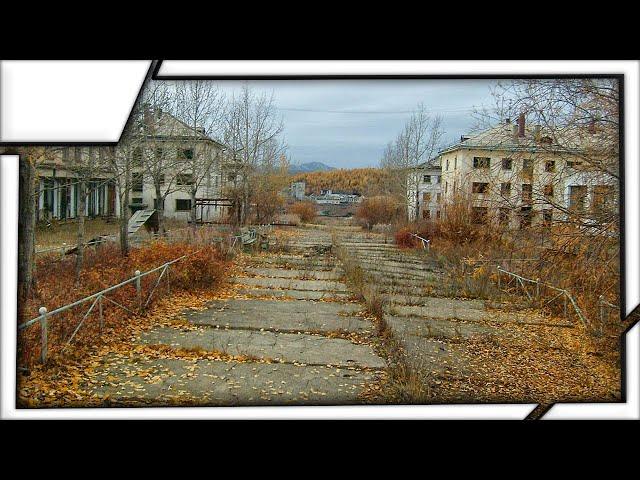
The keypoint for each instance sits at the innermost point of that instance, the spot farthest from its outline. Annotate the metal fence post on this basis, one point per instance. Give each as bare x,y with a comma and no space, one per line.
537,288
168,281
139,289
44,333
100,310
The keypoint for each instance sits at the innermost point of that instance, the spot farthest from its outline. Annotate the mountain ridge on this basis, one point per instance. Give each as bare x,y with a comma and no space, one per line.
309,167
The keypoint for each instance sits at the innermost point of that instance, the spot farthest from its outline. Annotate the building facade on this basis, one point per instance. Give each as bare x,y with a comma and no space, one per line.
424,191
517,176
167,159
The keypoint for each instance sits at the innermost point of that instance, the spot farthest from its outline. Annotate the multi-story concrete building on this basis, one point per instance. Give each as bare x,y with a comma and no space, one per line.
185,163
518,176
424,191
298,190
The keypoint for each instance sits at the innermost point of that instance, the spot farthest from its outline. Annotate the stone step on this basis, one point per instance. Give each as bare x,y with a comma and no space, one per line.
291,284
299,274
435,328
293,307
286,347
165,382
295,294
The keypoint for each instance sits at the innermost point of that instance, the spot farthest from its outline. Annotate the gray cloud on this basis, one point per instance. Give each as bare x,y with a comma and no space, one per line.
370,113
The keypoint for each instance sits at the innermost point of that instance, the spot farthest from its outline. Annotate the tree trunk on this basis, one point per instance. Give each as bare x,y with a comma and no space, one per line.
160,209
26,230
192,194
124,214
80,218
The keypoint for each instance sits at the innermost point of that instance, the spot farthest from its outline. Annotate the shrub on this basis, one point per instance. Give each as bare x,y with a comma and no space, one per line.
404,238
105,267
377,210
305,210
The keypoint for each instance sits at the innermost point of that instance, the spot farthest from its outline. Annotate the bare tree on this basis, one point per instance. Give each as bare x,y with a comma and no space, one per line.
201,106
418,143
252,127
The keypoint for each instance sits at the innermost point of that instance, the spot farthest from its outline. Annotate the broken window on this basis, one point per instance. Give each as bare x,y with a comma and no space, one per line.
185,153
426,197
439,178
526,217
603,199
548,191
137,182
136,160
481,162
527,190
426,214
437,213
550,166
507,164
426,178
479,187
438,197
573,164
527,166
577,197
505,189
547,217
183,204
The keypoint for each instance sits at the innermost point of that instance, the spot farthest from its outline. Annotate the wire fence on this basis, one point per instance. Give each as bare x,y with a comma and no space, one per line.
139,301
545,293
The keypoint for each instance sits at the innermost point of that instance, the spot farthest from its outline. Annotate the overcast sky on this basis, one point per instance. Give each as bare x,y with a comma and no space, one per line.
347,123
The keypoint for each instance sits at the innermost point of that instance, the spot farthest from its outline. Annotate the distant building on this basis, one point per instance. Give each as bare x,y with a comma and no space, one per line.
298,190
328,197
424,190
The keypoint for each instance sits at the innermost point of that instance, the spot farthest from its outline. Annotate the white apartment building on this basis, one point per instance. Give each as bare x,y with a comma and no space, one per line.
170,145
517,176
424,190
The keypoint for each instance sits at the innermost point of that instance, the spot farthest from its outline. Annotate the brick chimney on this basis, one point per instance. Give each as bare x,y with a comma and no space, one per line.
521,125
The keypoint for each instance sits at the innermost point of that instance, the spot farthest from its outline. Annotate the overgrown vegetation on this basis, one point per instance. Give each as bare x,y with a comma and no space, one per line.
203,268
562,255
377,210
306,211
404,383
361,181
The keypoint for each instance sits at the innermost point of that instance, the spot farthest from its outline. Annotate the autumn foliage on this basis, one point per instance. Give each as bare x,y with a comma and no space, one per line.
378,210
203,268
361,181
307,211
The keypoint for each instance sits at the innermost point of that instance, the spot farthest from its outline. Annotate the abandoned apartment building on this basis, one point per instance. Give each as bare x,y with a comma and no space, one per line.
516,176
164,151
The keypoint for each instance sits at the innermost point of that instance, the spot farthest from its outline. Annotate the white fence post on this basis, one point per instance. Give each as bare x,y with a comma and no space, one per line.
44,333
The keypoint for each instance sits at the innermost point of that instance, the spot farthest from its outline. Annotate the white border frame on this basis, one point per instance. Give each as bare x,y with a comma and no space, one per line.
9,192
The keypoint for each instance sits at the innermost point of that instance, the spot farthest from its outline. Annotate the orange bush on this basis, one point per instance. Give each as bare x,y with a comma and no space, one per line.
307,211
105,267
378,210
404,238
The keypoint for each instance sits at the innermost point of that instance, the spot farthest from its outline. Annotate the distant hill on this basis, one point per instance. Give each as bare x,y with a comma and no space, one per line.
309,167
361,181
